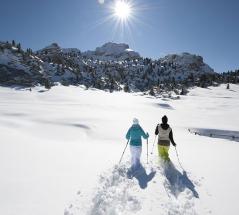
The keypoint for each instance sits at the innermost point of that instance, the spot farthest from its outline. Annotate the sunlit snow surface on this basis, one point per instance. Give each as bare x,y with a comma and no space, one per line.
59,153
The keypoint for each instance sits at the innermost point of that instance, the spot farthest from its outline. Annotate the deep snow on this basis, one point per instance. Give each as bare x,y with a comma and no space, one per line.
60,149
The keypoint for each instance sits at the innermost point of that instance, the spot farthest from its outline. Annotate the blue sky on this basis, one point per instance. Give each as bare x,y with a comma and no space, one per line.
209,28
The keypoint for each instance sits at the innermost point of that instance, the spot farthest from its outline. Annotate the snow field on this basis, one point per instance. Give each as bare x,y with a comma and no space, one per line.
60,150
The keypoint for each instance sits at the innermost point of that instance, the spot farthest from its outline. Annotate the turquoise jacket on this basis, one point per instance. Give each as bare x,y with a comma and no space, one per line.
134,134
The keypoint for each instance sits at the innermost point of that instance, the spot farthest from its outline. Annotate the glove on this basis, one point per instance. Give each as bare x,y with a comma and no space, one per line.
174,144
147,134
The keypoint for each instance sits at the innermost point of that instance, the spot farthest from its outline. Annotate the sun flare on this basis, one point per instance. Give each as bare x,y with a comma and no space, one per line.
122,9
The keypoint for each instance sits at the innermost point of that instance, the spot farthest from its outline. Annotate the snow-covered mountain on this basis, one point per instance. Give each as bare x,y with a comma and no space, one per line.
54,49
19,67
112,66
112,51
187,61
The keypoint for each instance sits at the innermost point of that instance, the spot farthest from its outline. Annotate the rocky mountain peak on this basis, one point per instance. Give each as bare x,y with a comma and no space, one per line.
112,51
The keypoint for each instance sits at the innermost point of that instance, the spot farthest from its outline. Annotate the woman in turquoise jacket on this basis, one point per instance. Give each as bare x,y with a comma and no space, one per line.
134,135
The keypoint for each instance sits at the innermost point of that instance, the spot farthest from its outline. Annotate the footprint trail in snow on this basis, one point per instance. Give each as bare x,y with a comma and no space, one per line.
161,190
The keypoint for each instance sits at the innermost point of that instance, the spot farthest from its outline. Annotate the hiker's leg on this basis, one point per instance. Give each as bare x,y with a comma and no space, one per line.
165,153
138,155
133,157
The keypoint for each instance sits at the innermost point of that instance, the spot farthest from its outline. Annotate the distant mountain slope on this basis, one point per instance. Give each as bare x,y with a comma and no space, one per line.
111,66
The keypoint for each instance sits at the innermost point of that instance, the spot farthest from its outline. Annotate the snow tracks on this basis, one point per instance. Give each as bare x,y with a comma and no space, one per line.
116,195
154,190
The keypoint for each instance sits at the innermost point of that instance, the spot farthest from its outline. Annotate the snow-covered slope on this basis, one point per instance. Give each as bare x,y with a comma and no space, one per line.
60,149
17,67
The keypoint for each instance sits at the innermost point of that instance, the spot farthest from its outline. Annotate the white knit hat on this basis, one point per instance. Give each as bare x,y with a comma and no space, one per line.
135,121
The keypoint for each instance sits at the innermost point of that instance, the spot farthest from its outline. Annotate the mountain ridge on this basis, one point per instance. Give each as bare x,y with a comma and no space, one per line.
112,66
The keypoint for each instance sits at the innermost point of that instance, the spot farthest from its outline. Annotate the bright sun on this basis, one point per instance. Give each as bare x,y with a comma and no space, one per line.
122,9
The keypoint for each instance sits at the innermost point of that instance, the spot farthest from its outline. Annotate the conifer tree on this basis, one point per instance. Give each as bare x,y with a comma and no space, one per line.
126,88
151,92
19,47
47,84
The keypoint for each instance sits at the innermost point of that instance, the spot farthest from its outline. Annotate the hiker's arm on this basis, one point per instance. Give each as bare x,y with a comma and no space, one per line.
171,138
128,135
145,136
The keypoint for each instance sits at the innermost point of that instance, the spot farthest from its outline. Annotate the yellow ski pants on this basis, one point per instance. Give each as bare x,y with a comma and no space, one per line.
163,152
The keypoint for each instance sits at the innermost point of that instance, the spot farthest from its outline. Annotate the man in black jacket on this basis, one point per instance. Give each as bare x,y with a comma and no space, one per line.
165,136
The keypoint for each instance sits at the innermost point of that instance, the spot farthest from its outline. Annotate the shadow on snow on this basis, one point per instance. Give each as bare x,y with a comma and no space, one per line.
177,181
165,106
216,133
141,175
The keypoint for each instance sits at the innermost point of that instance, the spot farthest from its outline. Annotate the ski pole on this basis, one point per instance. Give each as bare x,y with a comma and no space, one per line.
153,145
178,159
147,151
123,152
